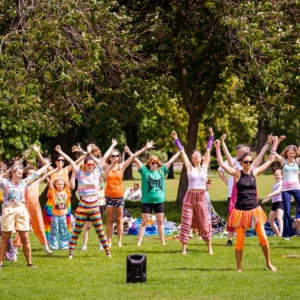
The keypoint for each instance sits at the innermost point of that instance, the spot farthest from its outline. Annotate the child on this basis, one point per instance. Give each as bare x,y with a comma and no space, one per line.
57,214
277,204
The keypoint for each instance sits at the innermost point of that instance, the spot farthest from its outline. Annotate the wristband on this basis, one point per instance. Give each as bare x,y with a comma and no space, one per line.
210,141
178,144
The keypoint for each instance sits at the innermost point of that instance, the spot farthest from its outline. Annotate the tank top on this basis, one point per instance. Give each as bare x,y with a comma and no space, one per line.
114,183
290,176
197,179
246,192
64,175
32,193
276,198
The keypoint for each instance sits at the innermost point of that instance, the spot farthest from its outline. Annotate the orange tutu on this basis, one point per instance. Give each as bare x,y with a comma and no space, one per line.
247,218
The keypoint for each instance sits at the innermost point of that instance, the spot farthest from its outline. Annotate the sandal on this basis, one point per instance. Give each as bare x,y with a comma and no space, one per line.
32,266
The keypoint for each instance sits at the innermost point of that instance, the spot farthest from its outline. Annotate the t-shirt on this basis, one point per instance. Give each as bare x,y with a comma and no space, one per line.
88,183
153,185
278,197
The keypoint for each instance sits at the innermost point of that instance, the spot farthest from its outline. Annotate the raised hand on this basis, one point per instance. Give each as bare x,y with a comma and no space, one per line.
174,135
76,148
281,138
26,153
217,143
126,149
47,161
210,130
150,144
270,140
89,148
223,137
114,142
36,148
57,148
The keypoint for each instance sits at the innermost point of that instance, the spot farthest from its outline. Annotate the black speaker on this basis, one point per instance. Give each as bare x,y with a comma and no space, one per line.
136,268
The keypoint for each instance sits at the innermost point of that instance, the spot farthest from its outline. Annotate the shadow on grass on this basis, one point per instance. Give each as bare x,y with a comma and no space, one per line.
204,269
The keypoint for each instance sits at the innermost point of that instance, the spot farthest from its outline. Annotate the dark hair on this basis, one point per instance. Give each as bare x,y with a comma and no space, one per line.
27,169
275,166
244,155
87,158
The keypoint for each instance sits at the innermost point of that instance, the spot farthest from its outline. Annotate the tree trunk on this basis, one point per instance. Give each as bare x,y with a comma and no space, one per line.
262,134
131,140
192,140
171,170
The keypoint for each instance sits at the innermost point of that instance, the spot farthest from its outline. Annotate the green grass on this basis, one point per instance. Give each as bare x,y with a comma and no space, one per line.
90,275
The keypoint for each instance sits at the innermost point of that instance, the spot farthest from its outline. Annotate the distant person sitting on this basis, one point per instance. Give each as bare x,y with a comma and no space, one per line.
133,193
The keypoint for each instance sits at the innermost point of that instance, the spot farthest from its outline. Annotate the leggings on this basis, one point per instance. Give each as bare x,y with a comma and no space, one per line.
96,220
240,236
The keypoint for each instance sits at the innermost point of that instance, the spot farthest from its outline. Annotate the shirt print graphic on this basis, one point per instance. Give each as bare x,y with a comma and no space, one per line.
154,184
60,201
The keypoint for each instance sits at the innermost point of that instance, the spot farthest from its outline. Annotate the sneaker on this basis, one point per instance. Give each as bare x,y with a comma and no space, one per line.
84,248
100,247
229,243
47,249
286,238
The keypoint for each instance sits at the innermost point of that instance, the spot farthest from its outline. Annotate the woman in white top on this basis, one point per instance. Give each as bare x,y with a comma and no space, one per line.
195,213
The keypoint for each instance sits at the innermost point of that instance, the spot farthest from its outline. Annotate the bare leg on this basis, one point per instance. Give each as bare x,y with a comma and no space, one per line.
280,213
3,245
271,219
160,227
238,257
119,219
266,251
145,219
24,235
183,249
208,244
109,224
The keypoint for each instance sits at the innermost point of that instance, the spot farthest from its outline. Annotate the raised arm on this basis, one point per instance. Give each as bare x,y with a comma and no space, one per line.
278,191
221,163
229,158
106,155
222,176
136,160
257,161
268,163
37,150
184,157
127,162
171,160
67,158
206,157
46,175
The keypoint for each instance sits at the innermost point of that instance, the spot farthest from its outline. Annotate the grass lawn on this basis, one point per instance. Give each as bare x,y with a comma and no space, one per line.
90,275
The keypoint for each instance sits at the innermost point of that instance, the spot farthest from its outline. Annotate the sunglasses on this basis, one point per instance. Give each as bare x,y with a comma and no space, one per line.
60,160
90,165
248,162
154,163
115,155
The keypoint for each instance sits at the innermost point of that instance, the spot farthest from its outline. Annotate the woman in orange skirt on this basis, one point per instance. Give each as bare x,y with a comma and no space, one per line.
247,212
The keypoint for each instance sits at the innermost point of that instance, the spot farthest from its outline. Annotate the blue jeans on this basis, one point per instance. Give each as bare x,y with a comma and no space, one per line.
287,221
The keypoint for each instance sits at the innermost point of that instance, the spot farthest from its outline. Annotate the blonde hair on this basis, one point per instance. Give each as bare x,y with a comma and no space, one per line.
120,157
287,149
55,181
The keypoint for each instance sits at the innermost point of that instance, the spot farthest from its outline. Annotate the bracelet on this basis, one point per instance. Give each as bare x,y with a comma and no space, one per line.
273,152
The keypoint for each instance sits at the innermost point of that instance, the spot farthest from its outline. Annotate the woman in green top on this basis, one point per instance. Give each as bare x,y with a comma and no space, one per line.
153,192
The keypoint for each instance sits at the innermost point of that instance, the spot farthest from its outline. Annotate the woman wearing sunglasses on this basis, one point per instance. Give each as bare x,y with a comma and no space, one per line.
195,212
153,192
114,191
247,212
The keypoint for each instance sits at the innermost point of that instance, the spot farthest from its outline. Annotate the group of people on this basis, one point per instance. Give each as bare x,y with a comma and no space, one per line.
100,188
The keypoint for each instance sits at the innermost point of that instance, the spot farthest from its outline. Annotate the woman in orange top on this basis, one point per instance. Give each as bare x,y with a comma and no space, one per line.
114,192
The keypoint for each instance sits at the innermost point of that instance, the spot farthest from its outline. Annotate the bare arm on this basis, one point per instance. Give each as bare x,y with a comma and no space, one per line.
110,167
171,160
136,160
222,176
221,163
229,158
278,191
49,183
37,150
206,157
127,162
45,176
184,157
257,161
114,143
67,158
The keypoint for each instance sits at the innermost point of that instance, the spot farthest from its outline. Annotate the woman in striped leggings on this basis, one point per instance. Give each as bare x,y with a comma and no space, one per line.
88,208
195,213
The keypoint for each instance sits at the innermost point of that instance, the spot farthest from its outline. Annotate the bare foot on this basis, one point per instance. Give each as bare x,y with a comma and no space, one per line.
108,256
272,268
210,252
70,256
163,243
139,245
239,270
183,252
119,245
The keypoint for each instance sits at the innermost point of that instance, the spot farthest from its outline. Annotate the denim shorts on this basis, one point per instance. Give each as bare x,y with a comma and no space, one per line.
114,202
